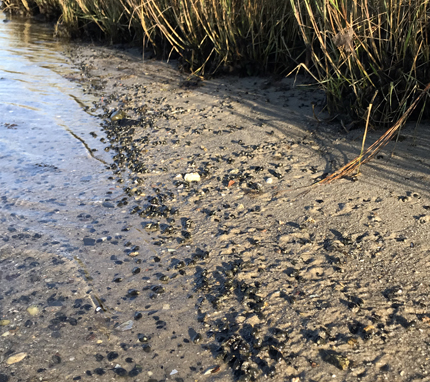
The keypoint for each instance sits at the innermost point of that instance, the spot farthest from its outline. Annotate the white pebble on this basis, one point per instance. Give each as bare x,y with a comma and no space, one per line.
192,177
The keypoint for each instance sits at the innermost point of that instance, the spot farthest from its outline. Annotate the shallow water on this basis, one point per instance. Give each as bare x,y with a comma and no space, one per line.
52,169
63,239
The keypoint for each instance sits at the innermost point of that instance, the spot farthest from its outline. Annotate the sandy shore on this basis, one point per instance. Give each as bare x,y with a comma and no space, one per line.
246,277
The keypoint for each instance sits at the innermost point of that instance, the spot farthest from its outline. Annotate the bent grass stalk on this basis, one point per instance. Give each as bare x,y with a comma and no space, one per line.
375,147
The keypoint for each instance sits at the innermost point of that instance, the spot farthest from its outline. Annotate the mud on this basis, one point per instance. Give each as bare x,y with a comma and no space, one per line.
218,266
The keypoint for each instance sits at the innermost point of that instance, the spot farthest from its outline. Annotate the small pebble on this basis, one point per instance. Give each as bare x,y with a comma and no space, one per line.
132,292
120,371
135,371
16,358
142,338
192,177
112,355
33,310
197,338
99,371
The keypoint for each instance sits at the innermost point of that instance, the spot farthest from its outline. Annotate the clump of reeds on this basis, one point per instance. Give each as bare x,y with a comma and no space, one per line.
357,50
368,49
218,35
95,19
98,19
210,35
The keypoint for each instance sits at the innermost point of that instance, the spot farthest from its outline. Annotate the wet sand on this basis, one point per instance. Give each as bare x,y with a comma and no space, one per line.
238,274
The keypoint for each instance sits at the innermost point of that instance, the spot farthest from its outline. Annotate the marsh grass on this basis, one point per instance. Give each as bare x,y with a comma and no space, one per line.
368,49
223,35
98,18
371,57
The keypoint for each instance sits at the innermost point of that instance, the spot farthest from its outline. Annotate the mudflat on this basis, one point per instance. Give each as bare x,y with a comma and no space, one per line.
238,270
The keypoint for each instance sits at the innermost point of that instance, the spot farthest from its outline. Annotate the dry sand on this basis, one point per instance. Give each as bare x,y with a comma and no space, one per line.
330,285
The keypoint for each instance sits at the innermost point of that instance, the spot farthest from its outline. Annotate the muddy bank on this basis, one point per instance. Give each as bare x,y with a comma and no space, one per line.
232,274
